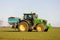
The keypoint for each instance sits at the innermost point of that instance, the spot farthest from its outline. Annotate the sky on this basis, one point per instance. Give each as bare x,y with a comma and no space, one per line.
46,9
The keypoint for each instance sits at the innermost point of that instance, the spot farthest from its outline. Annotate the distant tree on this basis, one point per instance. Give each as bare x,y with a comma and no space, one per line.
1,22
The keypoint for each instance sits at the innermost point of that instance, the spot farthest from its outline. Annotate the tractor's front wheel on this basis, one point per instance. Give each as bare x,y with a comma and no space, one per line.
23,26
39,27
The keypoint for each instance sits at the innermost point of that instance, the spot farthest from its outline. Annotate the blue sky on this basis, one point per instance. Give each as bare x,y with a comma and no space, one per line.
46,9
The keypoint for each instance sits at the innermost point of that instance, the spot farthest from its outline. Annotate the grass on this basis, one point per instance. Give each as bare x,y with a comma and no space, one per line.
11,34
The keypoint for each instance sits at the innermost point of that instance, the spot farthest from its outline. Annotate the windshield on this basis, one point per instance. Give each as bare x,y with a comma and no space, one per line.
27,16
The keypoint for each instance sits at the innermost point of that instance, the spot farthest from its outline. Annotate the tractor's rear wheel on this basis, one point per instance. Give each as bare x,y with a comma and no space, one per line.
39,27
23,26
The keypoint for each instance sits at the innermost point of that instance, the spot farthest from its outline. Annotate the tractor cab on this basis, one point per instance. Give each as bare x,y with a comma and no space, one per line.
30,17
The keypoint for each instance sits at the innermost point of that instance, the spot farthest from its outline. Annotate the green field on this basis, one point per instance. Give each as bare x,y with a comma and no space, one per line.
11,34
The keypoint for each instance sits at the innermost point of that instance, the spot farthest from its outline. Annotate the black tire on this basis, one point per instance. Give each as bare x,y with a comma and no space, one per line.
39,27
46,30
23,26
12,26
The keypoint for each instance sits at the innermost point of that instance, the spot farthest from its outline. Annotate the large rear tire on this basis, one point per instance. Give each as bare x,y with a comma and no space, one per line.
23,26
39,27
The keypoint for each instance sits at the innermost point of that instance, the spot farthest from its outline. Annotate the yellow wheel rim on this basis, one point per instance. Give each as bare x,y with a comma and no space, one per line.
39,28
22,27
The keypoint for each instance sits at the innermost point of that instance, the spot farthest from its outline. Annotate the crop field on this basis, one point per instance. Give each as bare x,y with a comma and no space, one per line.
11,34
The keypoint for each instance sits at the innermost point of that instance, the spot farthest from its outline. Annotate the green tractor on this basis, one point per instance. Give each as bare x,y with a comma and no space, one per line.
31,22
